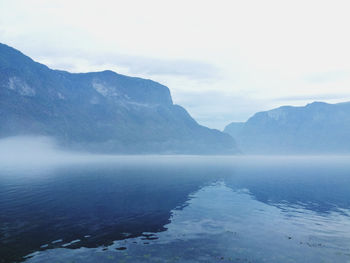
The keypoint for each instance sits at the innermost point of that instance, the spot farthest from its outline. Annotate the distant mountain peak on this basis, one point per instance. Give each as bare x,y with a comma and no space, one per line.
316,128
317,103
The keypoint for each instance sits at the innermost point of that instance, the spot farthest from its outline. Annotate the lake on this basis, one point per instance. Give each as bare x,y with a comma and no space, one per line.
176,209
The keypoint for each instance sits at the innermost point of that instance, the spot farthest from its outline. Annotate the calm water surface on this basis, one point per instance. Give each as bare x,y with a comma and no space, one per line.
177,209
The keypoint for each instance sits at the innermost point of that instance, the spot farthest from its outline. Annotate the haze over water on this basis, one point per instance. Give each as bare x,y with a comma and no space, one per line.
177,209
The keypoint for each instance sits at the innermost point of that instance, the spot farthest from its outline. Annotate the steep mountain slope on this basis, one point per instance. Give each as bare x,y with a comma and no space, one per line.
98,111
315,128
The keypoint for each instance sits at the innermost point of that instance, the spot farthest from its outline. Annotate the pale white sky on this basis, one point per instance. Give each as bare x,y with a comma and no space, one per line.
222,60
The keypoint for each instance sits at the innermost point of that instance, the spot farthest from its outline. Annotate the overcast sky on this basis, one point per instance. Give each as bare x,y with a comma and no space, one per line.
222,60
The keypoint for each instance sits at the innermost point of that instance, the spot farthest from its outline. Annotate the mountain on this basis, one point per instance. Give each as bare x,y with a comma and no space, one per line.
98,111
317,128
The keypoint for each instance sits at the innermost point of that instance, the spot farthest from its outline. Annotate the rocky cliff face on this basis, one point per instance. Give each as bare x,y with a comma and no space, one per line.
98,111
316,128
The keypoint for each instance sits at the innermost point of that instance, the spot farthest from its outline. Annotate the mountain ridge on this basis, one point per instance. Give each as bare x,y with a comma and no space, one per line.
317,127
98,111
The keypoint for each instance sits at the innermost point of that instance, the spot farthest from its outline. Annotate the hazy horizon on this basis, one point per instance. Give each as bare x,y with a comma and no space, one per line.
37,151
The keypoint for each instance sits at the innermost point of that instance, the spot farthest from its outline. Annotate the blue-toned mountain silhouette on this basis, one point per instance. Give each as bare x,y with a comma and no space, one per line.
98,111
317,128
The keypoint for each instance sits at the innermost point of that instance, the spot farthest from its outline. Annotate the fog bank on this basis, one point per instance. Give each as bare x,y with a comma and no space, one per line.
36,150
22,152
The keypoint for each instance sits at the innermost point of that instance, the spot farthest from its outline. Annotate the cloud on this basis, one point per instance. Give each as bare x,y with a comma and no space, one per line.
135,65
315,97
326,77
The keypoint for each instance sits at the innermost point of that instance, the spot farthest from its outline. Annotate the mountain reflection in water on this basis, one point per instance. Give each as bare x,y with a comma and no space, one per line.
178,208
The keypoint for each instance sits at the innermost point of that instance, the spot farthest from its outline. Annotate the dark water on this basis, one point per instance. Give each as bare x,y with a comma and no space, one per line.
177,209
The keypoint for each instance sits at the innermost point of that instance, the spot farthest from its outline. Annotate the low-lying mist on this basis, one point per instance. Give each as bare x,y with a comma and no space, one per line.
38,151
41,151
